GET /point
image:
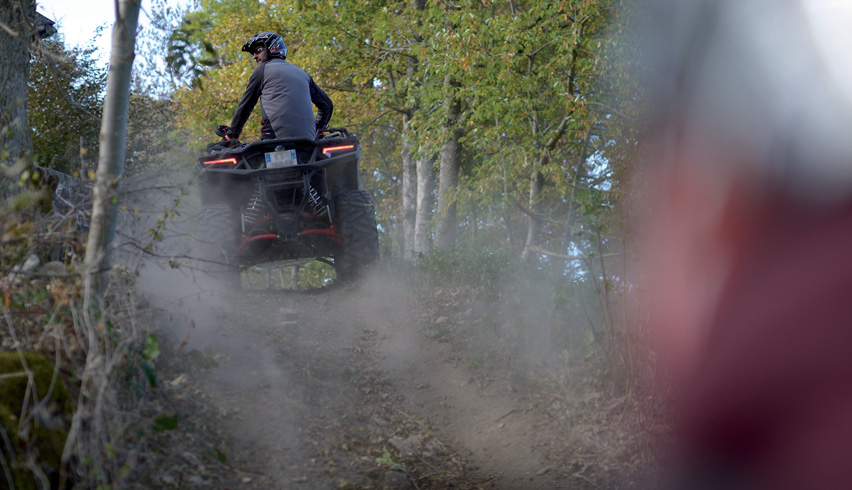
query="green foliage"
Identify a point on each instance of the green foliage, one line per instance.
(530, 76)
(166, 422)
(543, 97)
(389, 462)
(486, 269)
(213, 454)
(282, 275)
(152, 348)
(315, 275)
(539, 311)
(182, 60)
(153, 140)
(64, 99)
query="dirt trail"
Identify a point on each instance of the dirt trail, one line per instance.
(489, 422)
(336, 388)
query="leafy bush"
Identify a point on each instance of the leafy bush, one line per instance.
(485, 269)
(537, 313)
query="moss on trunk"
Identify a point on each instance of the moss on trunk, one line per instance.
(35, 414)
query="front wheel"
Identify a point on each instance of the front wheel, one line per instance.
(356, 221)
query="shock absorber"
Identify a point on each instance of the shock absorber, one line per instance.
(320, 209)
(252, 211)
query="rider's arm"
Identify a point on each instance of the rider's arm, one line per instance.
(323, 103)
(248, 101)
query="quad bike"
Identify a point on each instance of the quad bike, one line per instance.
(286, 200)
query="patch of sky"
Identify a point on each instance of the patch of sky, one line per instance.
(600, 170)
(572, 268)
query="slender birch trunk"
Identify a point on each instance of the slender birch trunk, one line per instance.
(409, 191)
(537, 178)
(112, 148)
(535, 221)
(425, 205)
(445, 228)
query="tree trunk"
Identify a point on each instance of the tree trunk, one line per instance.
(445, 228)
(410, 185)
(535, 221)
(409, 192)
(112, 148)
(425, 204)
(537, 179)
(16, 34)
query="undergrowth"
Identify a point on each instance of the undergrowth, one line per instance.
(540, 314)
(104, 356)
(538, 325)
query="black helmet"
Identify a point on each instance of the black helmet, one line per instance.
(273, 43)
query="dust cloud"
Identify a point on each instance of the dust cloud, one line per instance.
(316, 386)
(301, 385)
(157, 240)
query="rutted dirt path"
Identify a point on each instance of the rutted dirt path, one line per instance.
(339, 389)
(349, 388)
(345, 388)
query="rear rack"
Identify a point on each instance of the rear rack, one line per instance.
(330, 142)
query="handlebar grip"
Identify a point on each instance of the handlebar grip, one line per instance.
(222, 131)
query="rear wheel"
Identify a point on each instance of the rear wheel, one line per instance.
(219, 237)
(356, 221)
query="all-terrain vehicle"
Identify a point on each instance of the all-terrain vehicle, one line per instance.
(286, 200)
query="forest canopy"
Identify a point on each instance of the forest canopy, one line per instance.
(515, 112)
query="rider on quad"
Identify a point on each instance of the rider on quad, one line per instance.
(285, 91)
(294, 195)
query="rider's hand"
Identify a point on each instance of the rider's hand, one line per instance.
(226, 133)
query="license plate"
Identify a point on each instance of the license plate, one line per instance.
(278, 159)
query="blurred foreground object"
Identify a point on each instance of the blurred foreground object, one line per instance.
(44, 26)
(750, 237)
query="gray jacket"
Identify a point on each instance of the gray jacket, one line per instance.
(286, 93)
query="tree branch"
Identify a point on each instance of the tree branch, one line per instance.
(364, 126)
(615, 111)
(540, 250)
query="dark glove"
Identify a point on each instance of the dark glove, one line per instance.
(228, 138)
(226, 132)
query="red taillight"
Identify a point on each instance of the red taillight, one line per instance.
(330, 149)
(231, 162)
